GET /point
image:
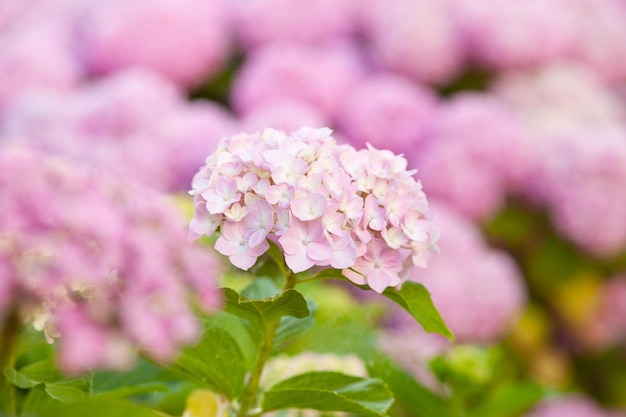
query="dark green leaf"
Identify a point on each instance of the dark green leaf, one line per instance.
(415, 299)
(415, 397)
(330, 391)
(216, 361)
(509, 400)
(291, 326)
(267, 310)
(142, 373)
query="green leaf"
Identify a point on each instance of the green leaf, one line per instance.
(330, 391)
(18, 379)
(329, 273)
(33, 374)
(97, 408)
(69, 390)
(37, 401)
(290, 326)
(144, 378)
(267, 310)
(143, 372)
(216, 361)
(409, 392)
(247, 336)
(509, 400)
(415, 299)
(261, 287)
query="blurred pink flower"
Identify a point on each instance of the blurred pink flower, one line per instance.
(320, 77)
(185, 41)
(419, 39)
(133, 123)
(507, 35)
(479, 291)
(472, 154)
(284, 114)
(325, 204)
(571, 406)
(601, 37)
(560, 98)
(259, 22)
(387, 111)
(608, 323)
(35, 56)
(582, 181)
(102, 266)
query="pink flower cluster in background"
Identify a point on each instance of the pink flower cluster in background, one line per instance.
(100, 264)
(112, 124)
(571, 405)
(325, 204)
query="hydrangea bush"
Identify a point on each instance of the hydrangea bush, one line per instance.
(511, 114)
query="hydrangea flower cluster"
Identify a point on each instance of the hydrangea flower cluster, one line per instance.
(477, 134)
(387, 111)
(183, 40)
(325, 204)
(100, 265)
(570, 405)
(110, 124)
(594, 165)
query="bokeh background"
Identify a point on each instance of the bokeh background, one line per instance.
(512, 112)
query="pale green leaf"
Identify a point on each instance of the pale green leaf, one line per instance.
(415, 299)
(330, 391)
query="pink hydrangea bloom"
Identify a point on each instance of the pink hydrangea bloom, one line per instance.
(607, 326)
(36, 56)
(419, 39)
(593, 163)
(472, 154)
(326, 205)
(111, 124)
(387, 111)
(601, 37)
(560, 98)
(102, 266)
(321, 77)
(505, 35)
(187, 135)
(183, 40)
(478, 290)
(571, 406)
(284, 114)
(259, 22)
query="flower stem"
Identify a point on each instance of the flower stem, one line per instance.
(249, 396)
(10, 329)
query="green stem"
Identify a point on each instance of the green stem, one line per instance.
(8, 336)
(249, 396)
